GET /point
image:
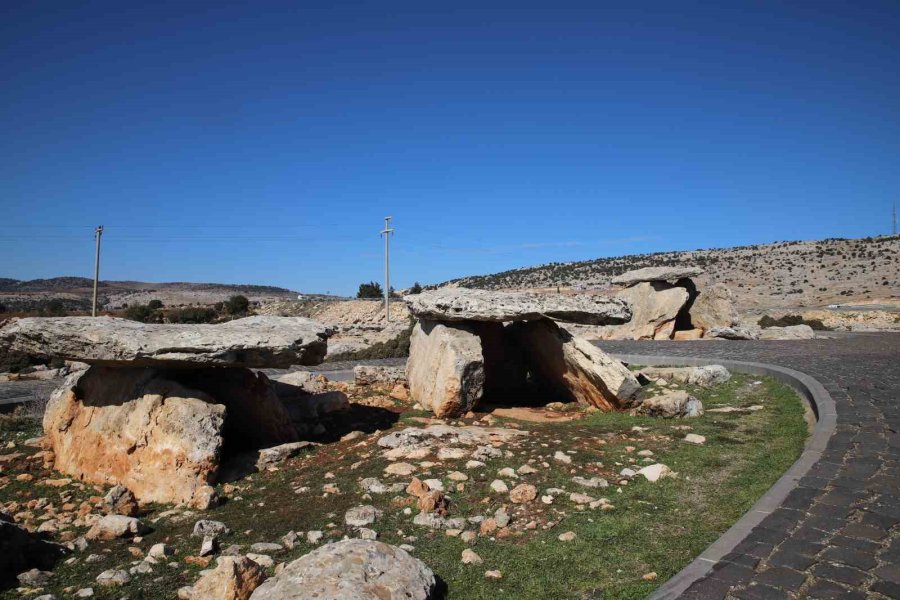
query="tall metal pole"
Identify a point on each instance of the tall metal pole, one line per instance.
(98, 232)
(386, 232)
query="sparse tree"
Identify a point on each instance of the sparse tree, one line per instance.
(155, 304)
(416, 288)
(370, 290)
(237, 305)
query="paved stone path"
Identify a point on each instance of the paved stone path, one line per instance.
(837, 535)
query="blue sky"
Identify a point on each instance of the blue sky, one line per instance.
(263, 142)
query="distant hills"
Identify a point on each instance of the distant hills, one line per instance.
(79, 284)
(777, 275)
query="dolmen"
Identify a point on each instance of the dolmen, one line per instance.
(469, 345)
(161, 404)
(667, 304)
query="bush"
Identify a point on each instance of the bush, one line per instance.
(370, 290)
(155, 304)
(416, 288)
(54, 308)
(237, 305)
(816, 324)
(192, 315)
(139, 312)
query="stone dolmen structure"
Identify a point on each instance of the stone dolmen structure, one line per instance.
(161, 404)
(666, 304)
(473, 344)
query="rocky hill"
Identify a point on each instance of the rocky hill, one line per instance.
(782, 275)
(75, 293)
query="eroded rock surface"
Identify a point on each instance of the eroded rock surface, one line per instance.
(150, 431)
(714, 307)
(352, 570)
(648, 274)
(462, 304)
(655, 307)
(445, 369)
(254, 342)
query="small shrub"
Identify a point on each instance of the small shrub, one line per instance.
(192, 315)
(416, 288)
(155, 304)
(139, 312)
(370, 290)
(816, 324)
(395, 348)
(237, 305)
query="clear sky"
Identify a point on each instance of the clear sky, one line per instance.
(263, 142)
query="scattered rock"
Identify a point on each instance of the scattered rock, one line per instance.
(693, 438)
(120, 501)
(113, 577)
(656, 472)
(593, 482)
(524, 492)
(669, 404)
(499, 486)
(359, 569)
(206, 527)
(34, 578)
(233, 578)
(112, 527)
(567, 536)
(360, 516)
(469, 557)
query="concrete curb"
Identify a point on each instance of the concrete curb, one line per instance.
(823, 407)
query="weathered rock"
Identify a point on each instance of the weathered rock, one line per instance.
(693, 438)
(113, 577)
(656, 472)
(574, 368)
(702, 376)
(522, 493)
(713, 307)
(736, 332)
(352, 570)
(462, 304)
(208, 527)
(120, 501)
(360, 516)
(670, 404)
(273, 342)
(233, 578)
(159, 432)
(687, 334)
(469, 435)
(650, 274)
(791, 332)
(655, 307)
(303, 381)
(112, 527)
(371, 374)
(269, 457)
(34, 578)
(445, 369)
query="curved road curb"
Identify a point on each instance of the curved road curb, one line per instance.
(822, 405)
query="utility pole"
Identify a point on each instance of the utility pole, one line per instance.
(98, 232)
(894, 227)
(386, 232)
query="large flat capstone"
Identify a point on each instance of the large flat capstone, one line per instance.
(462, 304)
(252, 342)
(671, 274)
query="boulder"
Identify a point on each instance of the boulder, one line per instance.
(301, 381)
(655, 307)
(714, 307)
(791, 332)
(650, 274)
(702, 376)
(574, 368)
(675, 403)
(112, 527)
(445, 369)
(269, 457)
(158, 432)
(233, 578)
(352, 570)
(735, 332)
(687, 334)
(120, 501)
(253, 342)
(372, 374)
(462, 304)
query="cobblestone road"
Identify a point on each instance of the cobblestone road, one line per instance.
(837, 535)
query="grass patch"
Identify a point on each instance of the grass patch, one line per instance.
(654, 527)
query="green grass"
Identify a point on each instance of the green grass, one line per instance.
(656, 527)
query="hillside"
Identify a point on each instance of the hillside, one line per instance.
(772, 276)
(75, 293)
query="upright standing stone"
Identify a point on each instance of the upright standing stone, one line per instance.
(445, 369)
(575, 368)
(714, 307)
(655, 308)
